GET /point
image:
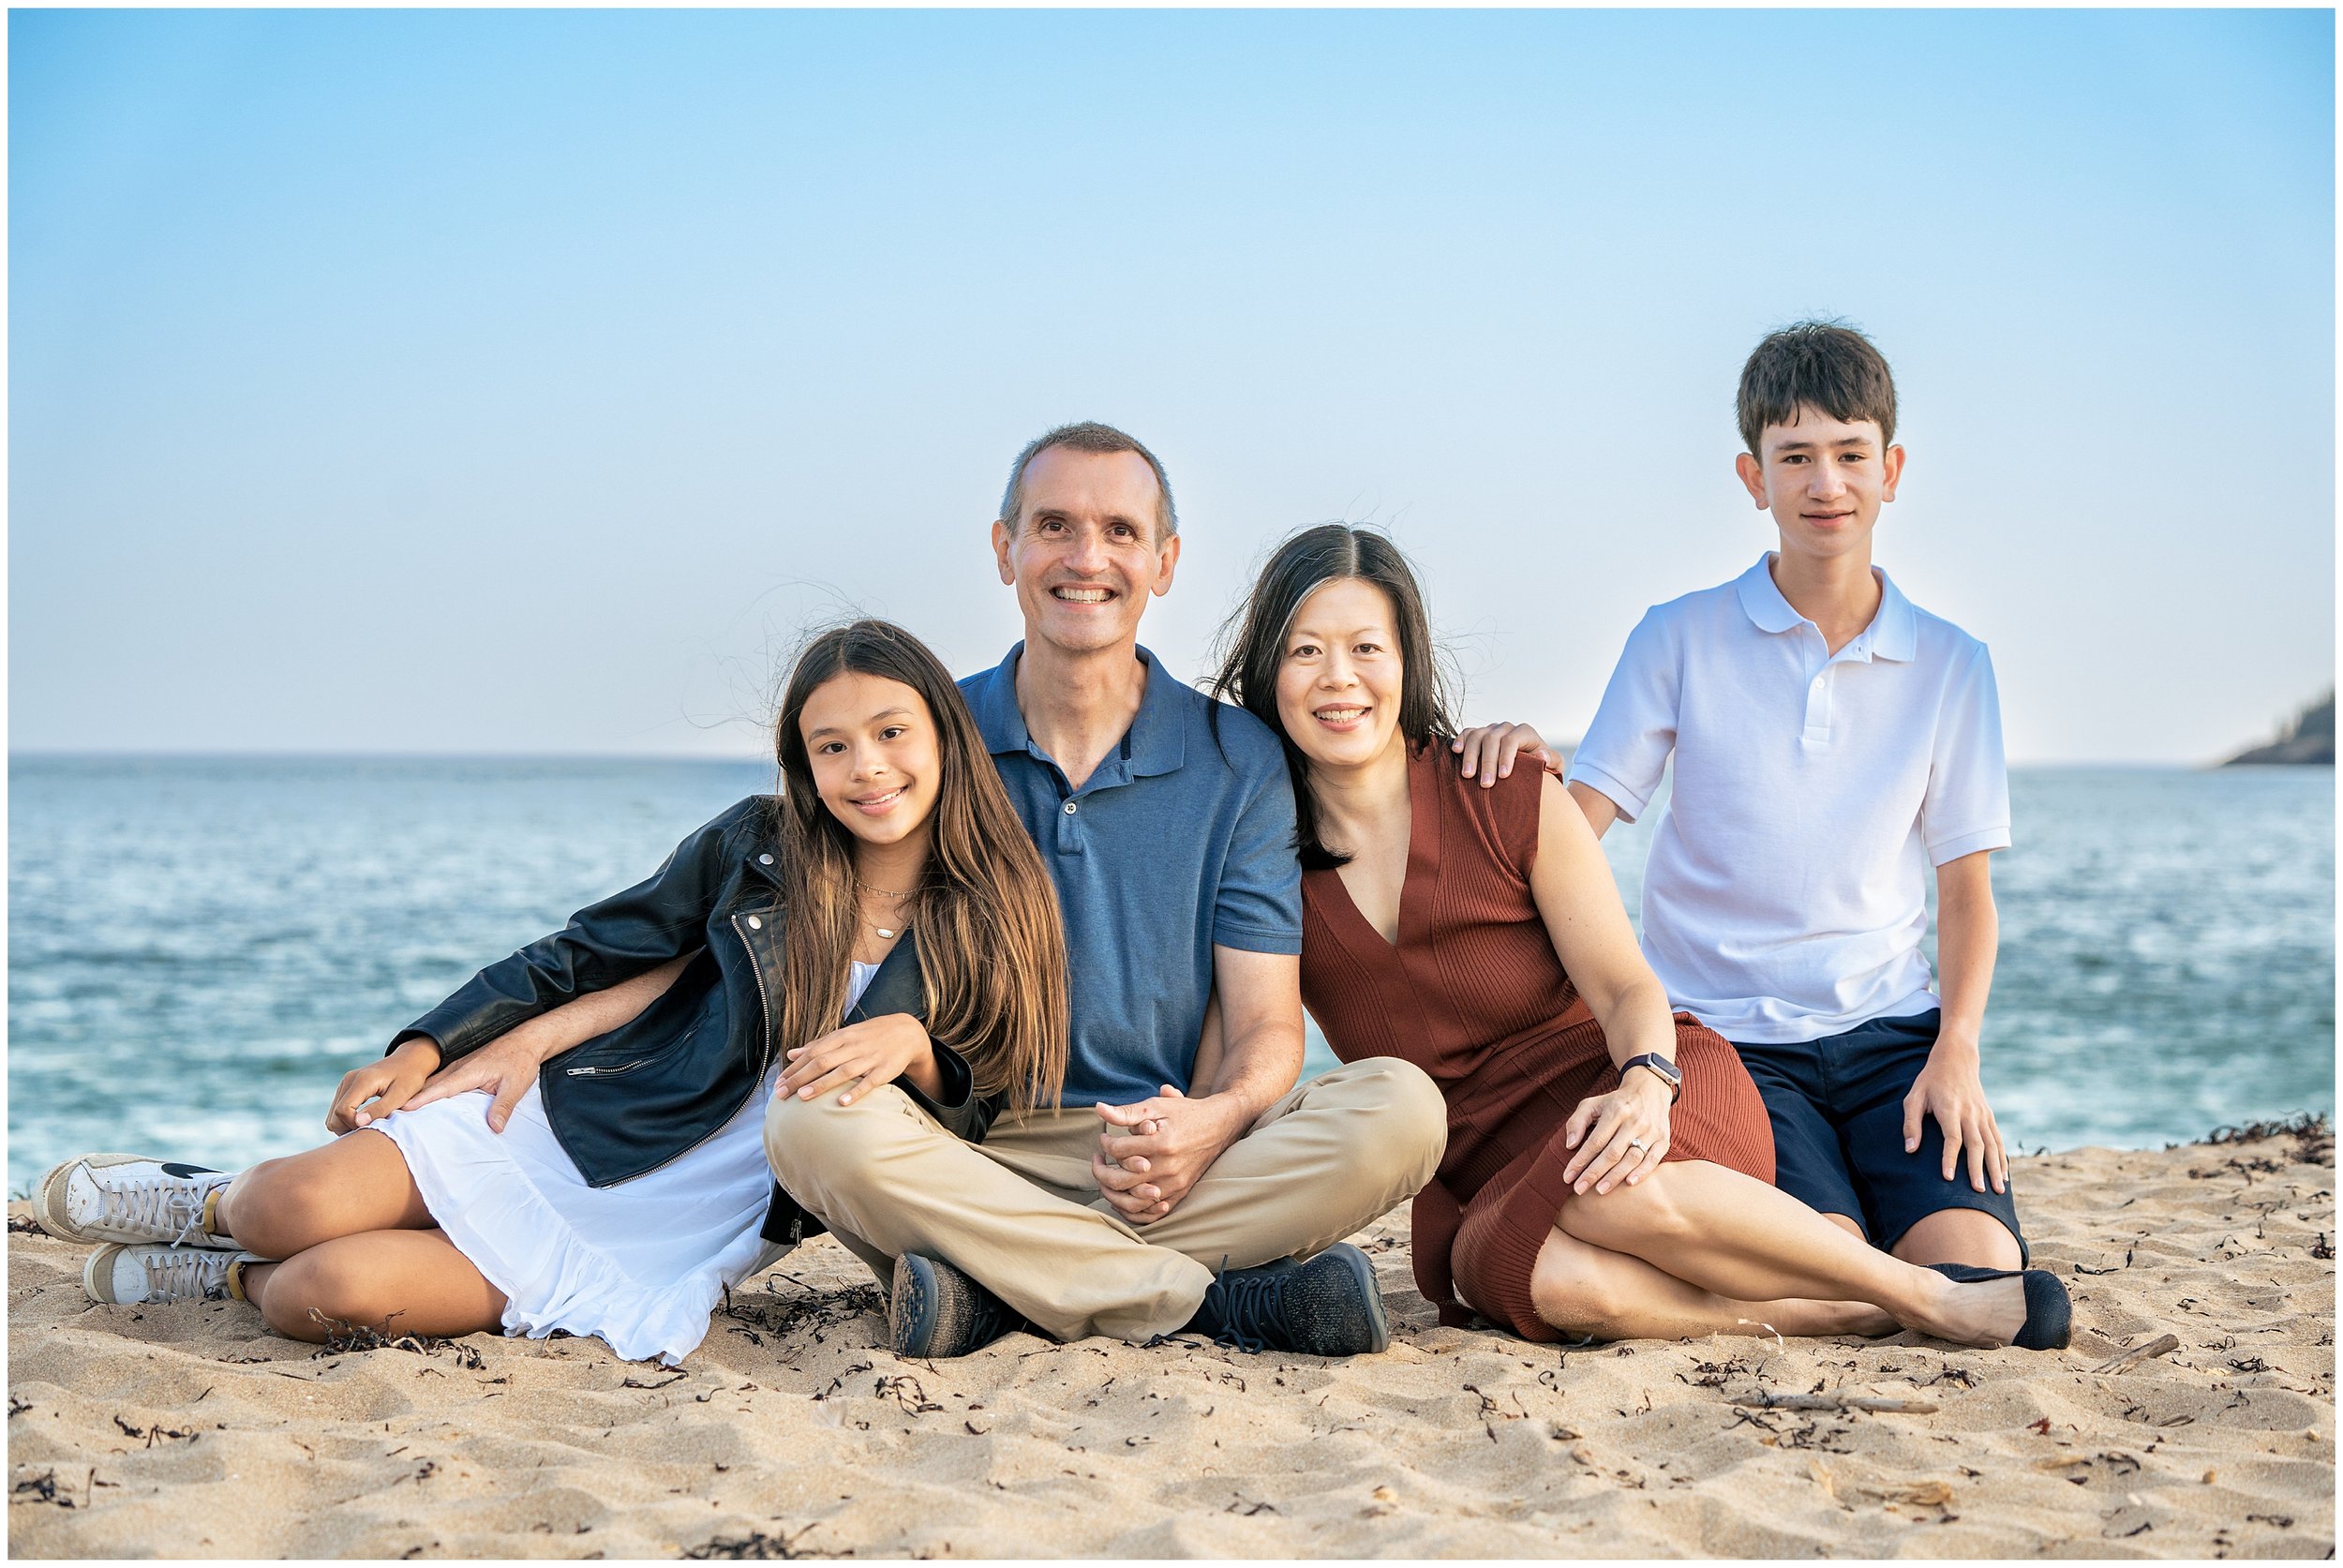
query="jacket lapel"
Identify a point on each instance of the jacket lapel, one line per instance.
(896, 987)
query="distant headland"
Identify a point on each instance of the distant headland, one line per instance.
(2309, 739)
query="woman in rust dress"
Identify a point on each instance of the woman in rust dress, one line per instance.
(1478, 935)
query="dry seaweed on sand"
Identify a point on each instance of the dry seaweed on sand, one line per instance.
(755, 1317)
(343, 1337)
(2314, 1137)
(755, 1546)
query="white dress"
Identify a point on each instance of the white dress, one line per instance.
(642, 1263)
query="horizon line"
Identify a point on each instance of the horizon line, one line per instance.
(49, 753)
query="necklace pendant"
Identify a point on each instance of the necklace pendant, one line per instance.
(885, 934)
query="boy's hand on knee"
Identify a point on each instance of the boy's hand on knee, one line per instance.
(1949, 1089)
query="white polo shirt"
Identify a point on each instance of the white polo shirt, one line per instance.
(1786, 897)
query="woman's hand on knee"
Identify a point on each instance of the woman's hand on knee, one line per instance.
(372, 1092)
(1620, 1136)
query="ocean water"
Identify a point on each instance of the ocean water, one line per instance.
(200, 948)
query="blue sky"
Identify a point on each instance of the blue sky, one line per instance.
(522, 382)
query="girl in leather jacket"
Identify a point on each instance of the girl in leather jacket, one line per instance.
(573, 1141)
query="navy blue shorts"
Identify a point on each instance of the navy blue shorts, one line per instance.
(1837, 1107)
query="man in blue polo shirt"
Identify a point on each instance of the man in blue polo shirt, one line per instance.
(1184, 1170)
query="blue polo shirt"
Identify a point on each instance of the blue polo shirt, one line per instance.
(1179, 841)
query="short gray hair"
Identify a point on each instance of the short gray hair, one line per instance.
(1089, 435)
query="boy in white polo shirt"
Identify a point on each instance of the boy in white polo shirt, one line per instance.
(1832, 742)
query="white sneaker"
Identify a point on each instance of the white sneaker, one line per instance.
(127, 1198)
(154, 1276)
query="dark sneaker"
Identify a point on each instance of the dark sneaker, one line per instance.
(1329, 1306)
(2049, 1312)
(934, 1310)
(129, 1199)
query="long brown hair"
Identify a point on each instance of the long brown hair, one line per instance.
(1253, 645)
(992, 947)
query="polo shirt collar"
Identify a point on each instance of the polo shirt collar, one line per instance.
(1763, 600)
(1893, 634)
(1156, 743)
(992, 703)
(1895, 631)
(1158, 740)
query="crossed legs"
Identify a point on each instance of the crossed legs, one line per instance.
(351, 1242)
(1021, 1213)
(1697, 1247)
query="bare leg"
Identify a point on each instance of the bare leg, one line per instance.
(356, 1183)
(1740, 1238)
(1611, 1295)
(1960, 1236)
(403, 1281)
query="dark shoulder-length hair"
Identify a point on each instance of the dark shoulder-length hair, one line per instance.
(992, 947)
(1253, 645)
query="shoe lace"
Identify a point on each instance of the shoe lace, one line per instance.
(190, 1274)
(155, 1204)
(1245, 1299)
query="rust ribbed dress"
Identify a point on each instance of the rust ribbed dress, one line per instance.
(1474, 995)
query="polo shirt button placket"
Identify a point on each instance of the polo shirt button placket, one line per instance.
(1069, 835)
(1818, 709)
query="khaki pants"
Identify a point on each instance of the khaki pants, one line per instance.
(1021, 1214)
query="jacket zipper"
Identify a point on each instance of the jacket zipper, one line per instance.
(764, 1013)
(605, 1072)
(764, 1019)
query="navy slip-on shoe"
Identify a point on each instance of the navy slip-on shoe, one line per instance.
(2050, 1315)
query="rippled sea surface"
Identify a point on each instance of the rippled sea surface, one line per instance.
(200, 948)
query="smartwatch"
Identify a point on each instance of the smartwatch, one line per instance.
(1661, 1067)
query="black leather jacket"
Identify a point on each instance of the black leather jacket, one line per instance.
(631, 1100)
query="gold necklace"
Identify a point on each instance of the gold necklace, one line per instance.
(886, 933)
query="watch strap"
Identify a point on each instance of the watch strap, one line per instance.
(1660, 1067)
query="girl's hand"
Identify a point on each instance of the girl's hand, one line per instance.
(860, 1058)
(1606, 1128)
(505, 1067)
(382, 1086)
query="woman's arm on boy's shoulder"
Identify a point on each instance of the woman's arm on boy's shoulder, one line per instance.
(1951, 1088)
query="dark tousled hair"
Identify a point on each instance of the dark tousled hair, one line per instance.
(1253, 645)
(992, 947)
(1820, 365)
(1089, 435)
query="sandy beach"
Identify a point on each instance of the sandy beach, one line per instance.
(187, 1431)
